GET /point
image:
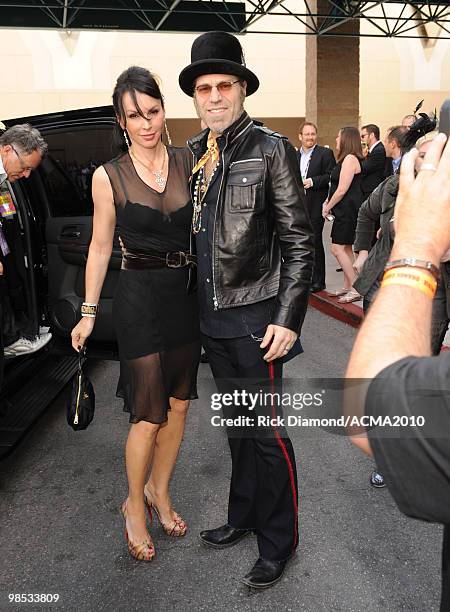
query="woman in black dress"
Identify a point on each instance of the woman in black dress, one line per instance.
(145, 192)
(344, 199)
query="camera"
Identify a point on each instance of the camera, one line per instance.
(444, 118)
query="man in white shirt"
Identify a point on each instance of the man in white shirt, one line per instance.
(316, 163)
(308, 140)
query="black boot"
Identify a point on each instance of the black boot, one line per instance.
(265, 573)
(224, 536)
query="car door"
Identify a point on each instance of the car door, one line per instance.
(75, 150)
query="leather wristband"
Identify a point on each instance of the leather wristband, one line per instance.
(88, 310)
(412, 262)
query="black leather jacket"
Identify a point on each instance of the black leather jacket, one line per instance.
(263, 240)
(377, 209)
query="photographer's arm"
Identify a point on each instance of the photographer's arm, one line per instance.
(398, 323)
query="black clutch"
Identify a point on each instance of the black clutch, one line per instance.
(81, 405)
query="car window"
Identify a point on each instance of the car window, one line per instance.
(67, 170)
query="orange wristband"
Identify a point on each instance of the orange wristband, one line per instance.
(417, 279)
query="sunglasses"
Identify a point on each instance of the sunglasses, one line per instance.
(223, 87)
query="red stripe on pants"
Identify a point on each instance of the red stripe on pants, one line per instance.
(282, 445)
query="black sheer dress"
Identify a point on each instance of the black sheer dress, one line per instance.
(155, 318)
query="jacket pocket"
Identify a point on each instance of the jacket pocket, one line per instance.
(244, 185)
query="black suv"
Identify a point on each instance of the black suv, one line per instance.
(54, 229)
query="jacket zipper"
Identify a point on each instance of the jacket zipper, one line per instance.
(215, 300)
(243, 161)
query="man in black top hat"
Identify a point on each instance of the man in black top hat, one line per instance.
(255, 252)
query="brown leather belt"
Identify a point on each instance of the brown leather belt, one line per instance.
(172, 259)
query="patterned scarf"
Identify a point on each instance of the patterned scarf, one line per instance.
(212, 153)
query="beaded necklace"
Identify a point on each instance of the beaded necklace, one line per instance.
(201, 187)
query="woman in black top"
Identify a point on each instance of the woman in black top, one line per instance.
(344, 199)
(145, 191)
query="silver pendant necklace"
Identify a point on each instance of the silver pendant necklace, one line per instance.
(160, 179)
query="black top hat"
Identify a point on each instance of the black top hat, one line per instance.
(216, 53)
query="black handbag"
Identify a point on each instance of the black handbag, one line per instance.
(81, 405)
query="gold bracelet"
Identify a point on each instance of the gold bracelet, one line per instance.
(417, 279)
(88, 310)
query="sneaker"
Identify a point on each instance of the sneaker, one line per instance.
(377, 480)
(43, 330)
(23, 346)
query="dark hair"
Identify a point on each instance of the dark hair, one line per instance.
(398, 134)
(131, 80)
(371, 128)
(305, 124)
(350, 143)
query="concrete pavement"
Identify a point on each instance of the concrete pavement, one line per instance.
(61, 531)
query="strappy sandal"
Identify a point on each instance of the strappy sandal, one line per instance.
(177, 529)
(350, 296)
(338, 292)
(145, 551)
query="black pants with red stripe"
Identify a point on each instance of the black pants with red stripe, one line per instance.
(263, 488)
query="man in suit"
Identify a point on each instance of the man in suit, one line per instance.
(393, 144)
(21, 151)
(373, 166)
(316, 163)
